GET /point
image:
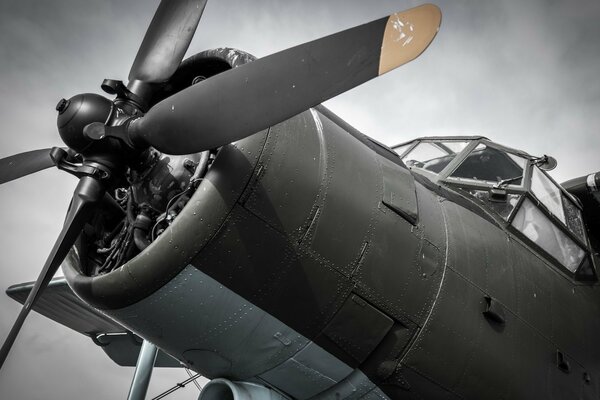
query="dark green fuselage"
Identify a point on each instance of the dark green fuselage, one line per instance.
(331, 234)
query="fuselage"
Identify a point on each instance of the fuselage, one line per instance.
(311, 260)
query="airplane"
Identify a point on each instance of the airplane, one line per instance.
(334, 287)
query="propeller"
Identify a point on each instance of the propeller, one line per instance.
(87, 193)
(166, 40)
(160, 53)
(22, 164)
(219, 110)
(254, 96)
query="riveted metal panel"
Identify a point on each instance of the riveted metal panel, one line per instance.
(290, 180)
(399, 192)
(354, 387)
(453, 326)
(214, 330)
(402, 266)
(418, 387)
(482, 252)
(533, 282)
(567, 327)
(350, 204)
(258, 262)
(60, 304)
(357, 328)
(312, 364)
(217, 194)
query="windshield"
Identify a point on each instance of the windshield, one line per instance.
(495, 177)
(434, 156)
(536, 226)
(508, 183)
(550, 195)
(491, 165)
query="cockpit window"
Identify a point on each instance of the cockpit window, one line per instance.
(509, 184)
(546, 192)
(536, 226)
(503, 207)
(433, 156)
(491, 165)
(556, 202)
(574, 218)
(402, 149)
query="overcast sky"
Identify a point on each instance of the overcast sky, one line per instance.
(524, 74)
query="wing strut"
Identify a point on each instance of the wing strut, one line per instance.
(143, 371)
(180, 385)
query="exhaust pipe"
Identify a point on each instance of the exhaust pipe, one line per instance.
(223, 389)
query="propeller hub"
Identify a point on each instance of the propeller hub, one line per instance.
(76, 113)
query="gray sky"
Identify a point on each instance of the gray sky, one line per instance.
(524, 74)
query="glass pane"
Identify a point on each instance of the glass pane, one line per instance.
(586, 271)
(422, 153)
(573, 217)
(455, 146)
(547, 193)
(433, 156)
(502, 208)
(491, 165)
(534, 224)
(401, 149)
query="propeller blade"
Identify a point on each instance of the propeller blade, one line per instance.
(87, 193)
(22, 164)
(167, 39)
(254, 96)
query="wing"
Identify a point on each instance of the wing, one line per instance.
(60, 304)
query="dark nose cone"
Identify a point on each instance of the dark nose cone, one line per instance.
(77, 112)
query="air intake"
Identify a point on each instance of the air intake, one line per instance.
(223, 389)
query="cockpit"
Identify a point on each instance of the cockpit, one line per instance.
(511, 185)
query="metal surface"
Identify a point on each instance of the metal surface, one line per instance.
(243, 340)
(171, 252)
(178, 386)
(124, 349)
(59, 303)
(143, 372)
(430, 279)
(88, 192)
(322, 369)
(166, 40)
(274, 88)
(22, 164)
(219, 389)
(310, 262)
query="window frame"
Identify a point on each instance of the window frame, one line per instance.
(526, 193)
(471, 182)
(435, 177)
(559, 224)
(584, 244)
(462, 186)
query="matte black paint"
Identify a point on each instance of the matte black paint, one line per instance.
(303, 223)
(167, 39)
(23, 164)
(288, 82)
